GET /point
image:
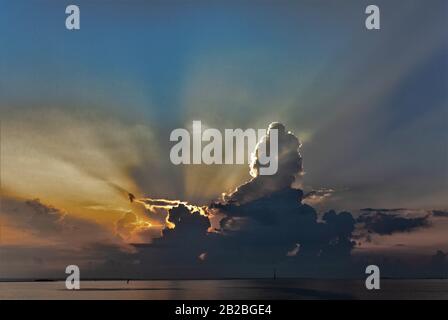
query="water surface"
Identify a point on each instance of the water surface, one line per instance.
(228, 289)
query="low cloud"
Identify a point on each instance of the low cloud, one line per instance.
(440, 213)
(185, 225)
(315, 197)
(52, 223)
(54, 239)
(439, 264)
(387, 221)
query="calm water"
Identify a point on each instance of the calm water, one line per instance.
(228, 289)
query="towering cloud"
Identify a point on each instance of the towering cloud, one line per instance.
(289, 167)
(266, 218)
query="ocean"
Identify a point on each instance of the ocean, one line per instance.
(264, 289)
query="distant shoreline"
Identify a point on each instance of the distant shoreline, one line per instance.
(209, 279)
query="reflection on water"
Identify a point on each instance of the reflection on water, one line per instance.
(228, 289)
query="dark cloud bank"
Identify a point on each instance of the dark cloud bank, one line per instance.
(385, 223)
(265, 227)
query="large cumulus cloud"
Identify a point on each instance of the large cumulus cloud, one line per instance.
(289, 167)
(271, 226)
(264, 222)
(267, 212)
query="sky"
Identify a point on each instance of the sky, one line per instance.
(86, 117)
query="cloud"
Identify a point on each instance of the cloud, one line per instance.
(182, 248)
(289, 167)
(280, 229)
(294, 251)
(263, 223)
(127, 224)
(440, 213)
(383, 209)
(439, 264)
(49, 222)
(266, 219)
(131, 228)
(383, 222)
(315, 197)
(185, 226)
(47, 239)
